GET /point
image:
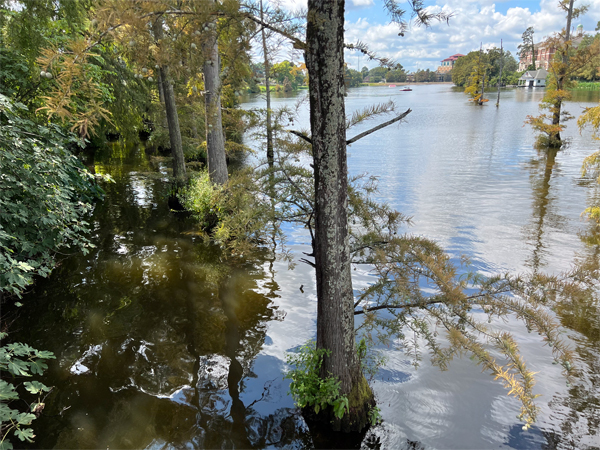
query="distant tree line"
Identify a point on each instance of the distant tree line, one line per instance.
(464, 67)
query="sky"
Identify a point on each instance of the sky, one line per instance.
(473, 22)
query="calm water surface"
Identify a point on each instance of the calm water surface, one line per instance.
(163, 342)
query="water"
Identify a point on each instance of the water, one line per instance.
(163, 342)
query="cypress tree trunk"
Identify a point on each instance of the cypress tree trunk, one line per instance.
(335, 319)
(171, 112)
(215, 141)
(555, 139)
(501, 67)
(173, 124)
(268, 86)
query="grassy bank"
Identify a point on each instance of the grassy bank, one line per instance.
(586, 86)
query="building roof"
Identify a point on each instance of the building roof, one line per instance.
(531, 75)
(453, 57)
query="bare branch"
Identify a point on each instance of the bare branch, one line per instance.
(379, 127)
(300, 135)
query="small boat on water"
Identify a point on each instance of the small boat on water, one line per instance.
(392, 85)
(406, 88)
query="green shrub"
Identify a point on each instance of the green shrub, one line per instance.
(235, 216)
(201, 198)
(46, 195)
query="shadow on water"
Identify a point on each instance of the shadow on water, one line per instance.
(156, 334)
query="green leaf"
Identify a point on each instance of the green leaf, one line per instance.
(25, 434)
(25, 418)
(35, 387)
(6, 445)
(7, 391)
(38, 366)
(7, 413)
(18, 367)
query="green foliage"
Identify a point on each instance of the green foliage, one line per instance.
(308, 388)
(586, 86)
(286, 70)
(46, 195)
(232, 215)
(352, 78)
(425, 76)
(464, 67)
(395, 76)
(476, 83)
(16, 361)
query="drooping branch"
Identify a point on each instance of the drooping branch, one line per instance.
(300, 135)
(379, 127)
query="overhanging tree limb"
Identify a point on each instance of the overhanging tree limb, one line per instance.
(379, 127)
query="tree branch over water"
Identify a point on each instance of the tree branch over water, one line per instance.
(379, 127)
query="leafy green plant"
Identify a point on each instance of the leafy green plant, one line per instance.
(46, 195)
(308, 388)
(201, 198)
(20, 360)
(375, 415)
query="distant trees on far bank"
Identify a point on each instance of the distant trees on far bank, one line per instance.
(464, 67)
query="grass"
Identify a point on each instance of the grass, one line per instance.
(586, 86)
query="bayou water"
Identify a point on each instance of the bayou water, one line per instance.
(165, 342)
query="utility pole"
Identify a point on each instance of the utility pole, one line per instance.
(501, 66)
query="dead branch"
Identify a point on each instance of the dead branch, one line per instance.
(379, 127)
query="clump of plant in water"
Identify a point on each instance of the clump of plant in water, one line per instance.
(235, 215)
(308, 388)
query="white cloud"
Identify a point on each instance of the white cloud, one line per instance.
(474, 22)
(362, 3)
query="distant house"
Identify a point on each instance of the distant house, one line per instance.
(544, 52)
(448, 63)
(534, 78)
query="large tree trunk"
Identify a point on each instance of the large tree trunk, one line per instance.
(268, 86)
(335, 319)
(215, 140)
(555, 139)
(168, 94)
(173, 124)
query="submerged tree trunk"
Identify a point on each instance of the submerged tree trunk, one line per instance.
(335, 319)
(268, 86)
(171, 112)
(501, 67)
(215, 140)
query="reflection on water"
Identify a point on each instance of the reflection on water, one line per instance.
(163, 342)
(155, 334)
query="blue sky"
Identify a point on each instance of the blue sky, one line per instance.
(474, 22)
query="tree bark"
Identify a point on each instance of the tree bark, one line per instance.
(215, 140)
(335, 317)
(171, 112)
(268, 86)
(555, 139)
(173, 123)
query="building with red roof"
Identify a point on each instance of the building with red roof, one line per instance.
(448, 63)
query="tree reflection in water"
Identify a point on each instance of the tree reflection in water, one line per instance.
(156, 333)
(576, 415)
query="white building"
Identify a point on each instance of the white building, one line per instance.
(534, 78)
